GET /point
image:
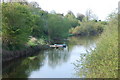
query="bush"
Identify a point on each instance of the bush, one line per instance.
(88, 28)
(103, 61)
(34, 41)
(16, 25)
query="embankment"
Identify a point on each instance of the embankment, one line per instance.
(10, 55)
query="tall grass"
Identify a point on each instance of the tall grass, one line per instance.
(103, 61)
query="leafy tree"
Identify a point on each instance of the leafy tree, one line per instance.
(58, 26)
(71, 13)
(16, 26)
(38, 25)
(80, 16)
(72, 19)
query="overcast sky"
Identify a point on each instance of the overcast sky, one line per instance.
(100, 7)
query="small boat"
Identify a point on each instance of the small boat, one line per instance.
(58, 45)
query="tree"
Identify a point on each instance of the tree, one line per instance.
(16, 26)
(39, 18)
(70, 13)
(72, 19)
(90, 15)
(80, 16)
(58, 26)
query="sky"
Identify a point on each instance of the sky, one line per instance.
(102, 8)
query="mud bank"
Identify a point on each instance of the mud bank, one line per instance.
(10, 55)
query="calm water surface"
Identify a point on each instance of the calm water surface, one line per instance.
(53, 63)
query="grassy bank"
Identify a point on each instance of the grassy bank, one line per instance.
(103, 61)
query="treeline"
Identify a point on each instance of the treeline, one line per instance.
(26, 24)
(103, 61)
(23, 23)
(88, 28)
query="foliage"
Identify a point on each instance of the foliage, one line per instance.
(23, 20)
(103, 61)
(17, 21)
(34, 41)
(38, 27)
(87, 28)
(20, 21)
(58, 26)
(72, 19)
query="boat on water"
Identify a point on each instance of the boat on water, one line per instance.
(58, 45)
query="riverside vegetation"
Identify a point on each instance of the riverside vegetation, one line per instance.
(25, 25)
(103, 61)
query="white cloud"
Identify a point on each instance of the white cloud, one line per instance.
(100, 7)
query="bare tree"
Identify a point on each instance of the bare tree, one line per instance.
(90, 15)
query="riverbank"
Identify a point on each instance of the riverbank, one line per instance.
(10, 55)
(103, 61)
(50, 62)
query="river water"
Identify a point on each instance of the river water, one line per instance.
(52, 63)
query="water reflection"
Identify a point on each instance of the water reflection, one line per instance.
(86, 43)
(22, 68)
(57, 57)
(53, 63)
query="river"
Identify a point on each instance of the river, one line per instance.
(52, 63)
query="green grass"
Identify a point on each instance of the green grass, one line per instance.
(103, 61)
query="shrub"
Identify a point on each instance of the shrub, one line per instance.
(88, 28)
(16, 25)
(103, 61)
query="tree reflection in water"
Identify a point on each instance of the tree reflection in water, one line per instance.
(23, 67)
(57, 57)
(86, 42)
